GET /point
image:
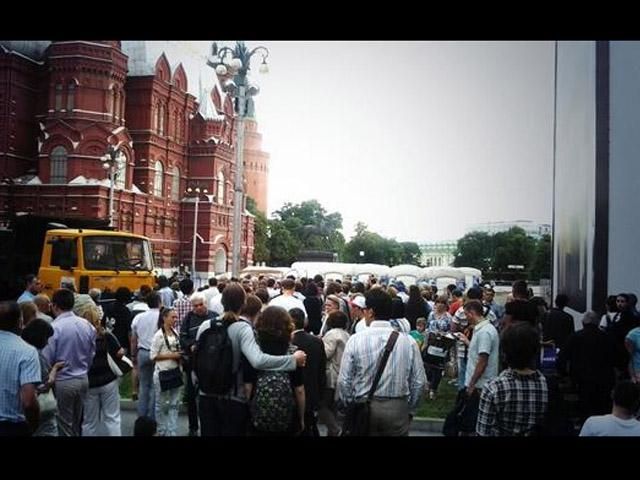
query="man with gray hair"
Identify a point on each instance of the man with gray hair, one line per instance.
(188, 330)
(590, 356)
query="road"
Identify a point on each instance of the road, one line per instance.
(129, 417)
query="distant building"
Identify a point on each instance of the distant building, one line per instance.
(533, 229)
(438, 254)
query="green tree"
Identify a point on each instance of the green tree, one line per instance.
(475, 250)
(542, 259)
(369, 243)
(378, 249)
(260, 233)
(282, 244)
(513, 247)
(411, 253)
(310, 223)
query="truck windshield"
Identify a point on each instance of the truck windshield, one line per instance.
(116, 253)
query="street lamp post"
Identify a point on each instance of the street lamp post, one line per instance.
(111, 162)
(236, 62)
(195, 193)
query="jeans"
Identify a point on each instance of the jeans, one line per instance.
(102, 411)
(167, 408)
(146, 391)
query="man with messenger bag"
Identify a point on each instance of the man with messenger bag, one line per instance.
(382, 376)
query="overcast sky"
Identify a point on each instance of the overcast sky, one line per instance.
(415, 139)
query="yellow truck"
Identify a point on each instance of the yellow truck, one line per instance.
(95, 259)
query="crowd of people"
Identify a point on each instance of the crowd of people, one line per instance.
(258, 356)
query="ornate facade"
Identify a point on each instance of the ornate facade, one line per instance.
(63, 103)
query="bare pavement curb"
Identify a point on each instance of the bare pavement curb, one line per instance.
(422, 424)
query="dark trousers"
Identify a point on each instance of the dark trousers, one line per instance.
(192, 397)
(14, 429)
(222, 417)
(310, 424)
(434, 375)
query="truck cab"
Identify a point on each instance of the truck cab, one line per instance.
(95, 259)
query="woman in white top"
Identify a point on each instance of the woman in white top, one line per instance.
(165, 353)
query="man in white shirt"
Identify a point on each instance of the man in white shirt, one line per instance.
(143, 328)
(288, 300)
(621, 422)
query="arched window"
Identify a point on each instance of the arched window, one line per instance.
(175, 186)
(58, 158)
(58, 104)
(221, 187)
(71, 94)
(121, 170)
(157, 180)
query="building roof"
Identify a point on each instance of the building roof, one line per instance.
(143, 56)
(32, 49)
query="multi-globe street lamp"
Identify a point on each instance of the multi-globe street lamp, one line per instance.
(233, 65)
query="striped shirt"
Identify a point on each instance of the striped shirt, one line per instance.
(403, 375)
(19, 365)
(512, 404)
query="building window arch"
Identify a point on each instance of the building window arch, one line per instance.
(158, 179)
(58, 98)
(71, 96)
(121, 171)
(58, 166)
(175, 187)
(221, 187)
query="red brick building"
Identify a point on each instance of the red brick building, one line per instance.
(63, 103)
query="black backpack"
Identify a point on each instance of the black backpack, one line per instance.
(214, 359)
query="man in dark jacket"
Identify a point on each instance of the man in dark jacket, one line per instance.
(315, 375)
(557, 325)
(188, 330)
(591, 357)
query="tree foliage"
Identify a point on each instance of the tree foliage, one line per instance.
(495, 253)
(260, 233)
(378, 249)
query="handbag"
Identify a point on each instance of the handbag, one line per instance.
(358, 414)
(119, 366)
(48, 403)
(170, 379)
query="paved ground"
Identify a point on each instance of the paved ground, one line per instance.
(129, 417)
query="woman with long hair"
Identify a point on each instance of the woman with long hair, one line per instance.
(102, 405)
(273, 329)
(334, 342)
(416, 306)
(165, 353)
